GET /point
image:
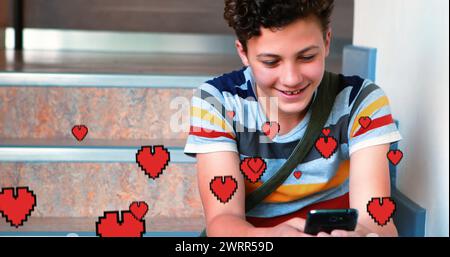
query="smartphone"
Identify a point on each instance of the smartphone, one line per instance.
(329, 220)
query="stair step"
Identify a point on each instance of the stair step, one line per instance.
(92, 234)
(117, 151)
(34, 79)
(110, 114)
(113, 63)
(117, 96)
(53, 226)
(89, 189)
(113, 69)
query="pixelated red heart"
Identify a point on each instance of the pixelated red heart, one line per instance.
(365, 121)
(17, 207)
(297, 174)
(271, 129)
(79, 132)
(153, 160)
(381, 209)
(395, 156)
(231, 114)
(326, 146)
(223, 187)
(253, 168)
(326, 131)
(110, 226)
(138, 209)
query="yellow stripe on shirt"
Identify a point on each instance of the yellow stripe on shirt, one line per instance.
(211, 118)
(368, 111)
(287, 193)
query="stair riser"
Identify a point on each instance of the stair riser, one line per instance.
(109, 113)
(89, 189)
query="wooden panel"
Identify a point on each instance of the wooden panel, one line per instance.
(179, 16)
(3, 14)
(2, 38)
(3, 21)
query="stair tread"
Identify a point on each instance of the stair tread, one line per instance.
(64, 150)
(45, 61)
(112, 69)
(89, 143)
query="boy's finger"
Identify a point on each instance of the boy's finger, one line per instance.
(323, 234)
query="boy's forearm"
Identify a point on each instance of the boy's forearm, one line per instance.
(234, 226)
(388, 231)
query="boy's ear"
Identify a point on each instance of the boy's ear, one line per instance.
(328, 42)
(242, 54)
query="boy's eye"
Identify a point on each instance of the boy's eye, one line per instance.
(307, 58)
(270, 63)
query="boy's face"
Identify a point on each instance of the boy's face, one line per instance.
(289, 63)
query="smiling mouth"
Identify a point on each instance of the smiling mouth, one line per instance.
(296, 92)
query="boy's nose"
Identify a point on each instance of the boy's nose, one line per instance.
(291, 76)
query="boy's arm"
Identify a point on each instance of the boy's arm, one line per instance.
(221, 217)
(369, 177)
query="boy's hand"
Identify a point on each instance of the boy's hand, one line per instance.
(290, 228)
(361, 231)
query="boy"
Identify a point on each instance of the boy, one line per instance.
(283, 45)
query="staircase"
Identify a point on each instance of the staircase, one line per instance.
(126, 99)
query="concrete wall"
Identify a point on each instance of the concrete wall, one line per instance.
(412, 38)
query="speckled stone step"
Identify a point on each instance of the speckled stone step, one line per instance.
(43, 94)
(113, 113)
(57, 226)
(76, 190)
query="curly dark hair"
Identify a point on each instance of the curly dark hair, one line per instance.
(247, 16)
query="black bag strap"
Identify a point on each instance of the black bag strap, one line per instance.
(321, 109)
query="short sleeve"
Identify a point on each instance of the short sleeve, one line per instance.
(211, 130)
(371, 122)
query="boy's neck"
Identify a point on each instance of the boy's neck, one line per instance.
(287, 121)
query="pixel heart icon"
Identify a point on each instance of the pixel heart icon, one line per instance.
(139, 209)
(223, 188)
(395, 156)
(297, 174)
(253, 168)
(16, 204)
(110, 225)
(79, 132)
(271, 129)
(326, 131)
(326, 146)
(381, 209)
(231, 114)
(153, 160)
(365, 122)
(132, 223)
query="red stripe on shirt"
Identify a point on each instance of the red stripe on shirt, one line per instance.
(341, 202)
(209, 133)
(376, 123)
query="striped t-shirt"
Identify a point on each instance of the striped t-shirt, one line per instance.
(226, 116)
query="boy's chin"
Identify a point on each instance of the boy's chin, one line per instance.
(291, 111)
